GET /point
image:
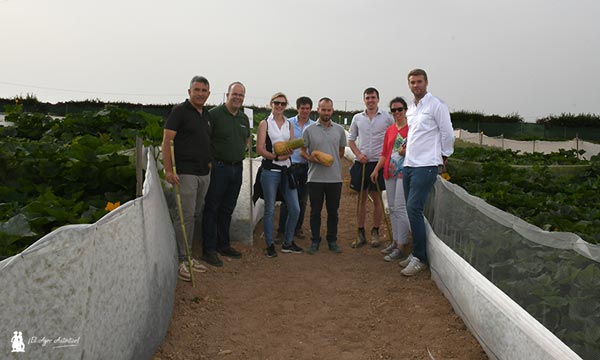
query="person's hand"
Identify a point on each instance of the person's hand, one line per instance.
(363, 159)
(171, 178)
(374, 175)
(402, 150)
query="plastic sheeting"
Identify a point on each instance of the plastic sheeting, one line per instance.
(99, 291)
(551, 274)
(545, 147)
(502, 327)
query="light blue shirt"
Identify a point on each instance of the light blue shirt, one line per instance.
(370, 132)
(298, 129)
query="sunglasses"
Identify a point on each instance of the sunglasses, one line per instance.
(396, 109)
(282, 103)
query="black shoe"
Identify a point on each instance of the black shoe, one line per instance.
(230, 252)
(334, 248)
(300, 234)
(270, 251)
(292, 248)
(212, 259)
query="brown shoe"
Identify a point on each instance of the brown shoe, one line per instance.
(375, 237)
(361, 239)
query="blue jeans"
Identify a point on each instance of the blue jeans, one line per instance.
(300, 172)
(418, 182)
(220, 201)
(330, 193)
(271, 181)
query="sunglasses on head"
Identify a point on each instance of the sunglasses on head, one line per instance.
(282, 103)
(396, 109)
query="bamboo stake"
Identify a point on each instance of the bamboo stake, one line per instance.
(385, 215)
(180, 208)
(356, 243)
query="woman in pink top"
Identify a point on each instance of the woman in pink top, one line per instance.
(392, 159)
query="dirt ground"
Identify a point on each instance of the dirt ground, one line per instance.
(351, 305)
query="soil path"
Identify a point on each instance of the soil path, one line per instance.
(352, 305)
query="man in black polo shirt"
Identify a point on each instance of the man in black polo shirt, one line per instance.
(189, 126)
(230, 135)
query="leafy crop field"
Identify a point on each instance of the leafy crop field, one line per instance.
(556, 192)
(55, 172)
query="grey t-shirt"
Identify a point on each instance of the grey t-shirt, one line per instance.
(328, 140)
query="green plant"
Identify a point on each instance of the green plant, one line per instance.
(64, 171)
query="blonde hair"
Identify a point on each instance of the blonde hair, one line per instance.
(278, 94)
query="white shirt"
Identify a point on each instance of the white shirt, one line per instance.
(430, 133)
(276, 134)
(370, 132)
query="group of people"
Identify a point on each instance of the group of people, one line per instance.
(398, 151)
(404, 147)
(209, 148)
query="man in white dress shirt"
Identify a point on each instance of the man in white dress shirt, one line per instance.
(430, 141)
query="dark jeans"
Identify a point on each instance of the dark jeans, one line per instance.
(330, 193)
(300, 172)
(418, 182)
(220, 201)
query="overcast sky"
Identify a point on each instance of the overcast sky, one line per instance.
(533, 57)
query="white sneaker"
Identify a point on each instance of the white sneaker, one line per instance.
(394, 255)
(405, 262)
(197, 266)
(413, 267)
(184, 272)
(389, 248)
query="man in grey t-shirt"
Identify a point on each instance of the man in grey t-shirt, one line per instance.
(324, 179)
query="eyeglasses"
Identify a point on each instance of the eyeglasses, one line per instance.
(397, 109)
(282, 103)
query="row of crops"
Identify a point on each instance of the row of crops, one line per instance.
(557, 192)
(55, 172)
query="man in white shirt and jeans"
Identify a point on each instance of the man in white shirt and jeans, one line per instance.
(430, 141)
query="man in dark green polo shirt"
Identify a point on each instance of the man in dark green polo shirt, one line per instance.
(230, 135)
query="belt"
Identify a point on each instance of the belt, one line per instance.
(232, 163)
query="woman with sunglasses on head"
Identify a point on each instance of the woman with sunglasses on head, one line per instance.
(392, 159)
(274, 176)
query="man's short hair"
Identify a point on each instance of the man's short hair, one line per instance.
(232, 84)
(200, 79)
(417, 72)
(371, 90)
(326, 99)
(303, 100)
